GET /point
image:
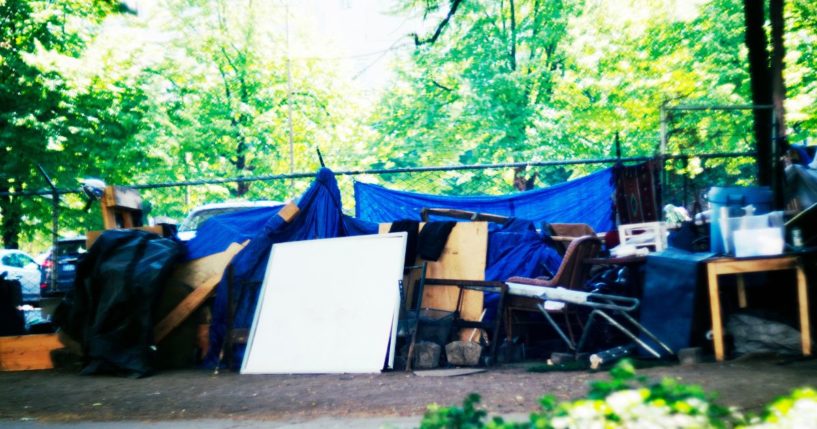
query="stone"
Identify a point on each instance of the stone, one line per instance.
(690, 356)
(464, 353)
(426, 355)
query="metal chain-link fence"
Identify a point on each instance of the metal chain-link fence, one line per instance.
(683, 182)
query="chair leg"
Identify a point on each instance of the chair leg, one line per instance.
(508, 316)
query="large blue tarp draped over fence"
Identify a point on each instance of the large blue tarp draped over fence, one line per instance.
(319, 216)
(587, 200)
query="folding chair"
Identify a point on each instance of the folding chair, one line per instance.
(602, 306)
(571, 274)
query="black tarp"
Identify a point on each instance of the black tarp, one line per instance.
(110, 310)
(674, 301)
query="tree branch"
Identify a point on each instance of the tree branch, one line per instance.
(441, 86)
(454, 5)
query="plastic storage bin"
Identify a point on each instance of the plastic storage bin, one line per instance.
(734, 198)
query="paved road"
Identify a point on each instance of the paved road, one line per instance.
(323, 423)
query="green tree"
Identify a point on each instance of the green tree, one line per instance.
(35, 107)
(475, 89)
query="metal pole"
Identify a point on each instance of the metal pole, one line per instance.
(662, 151)
(55, 225)
(289, 99)
(777, 188)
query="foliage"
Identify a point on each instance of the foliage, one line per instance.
(186, 90)
(41, 117)
(629, 400)
(206, 89)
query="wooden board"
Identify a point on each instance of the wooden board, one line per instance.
(122, 201)
(464, 257)
(289, 211)
(27, 352)
(203, 275)
(196, 272)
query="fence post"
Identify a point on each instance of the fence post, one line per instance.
(55, 225)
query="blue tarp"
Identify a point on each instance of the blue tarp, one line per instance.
(218, 232)
(320, 216)
(517, 249)
(584, 200)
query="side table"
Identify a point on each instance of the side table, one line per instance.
(740, 266)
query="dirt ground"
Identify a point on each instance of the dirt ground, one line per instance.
(196, 394)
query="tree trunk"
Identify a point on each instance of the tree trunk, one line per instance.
(10, 210)
(761, 84)
(777, 67)
(778, 96)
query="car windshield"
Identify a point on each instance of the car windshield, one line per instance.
(193, 222)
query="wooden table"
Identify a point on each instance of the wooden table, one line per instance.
(740, 266)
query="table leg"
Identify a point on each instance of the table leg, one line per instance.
(715, 309)
(742, 292)
(802, 299)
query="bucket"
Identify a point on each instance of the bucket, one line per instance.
(734, 198)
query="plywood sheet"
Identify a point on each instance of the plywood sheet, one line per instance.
(464, 257)
(328, 306)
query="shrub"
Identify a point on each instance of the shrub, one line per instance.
(632, 401)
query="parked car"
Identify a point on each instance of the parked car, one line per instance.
(20, 266)
(64, 260)
(197, 216)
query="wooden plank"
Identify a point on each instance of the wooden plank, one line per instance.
(289, 211)
(27, 352)
(91, 236)
(715, 308)
(802, 301)
(185, 308)
(196, 272)
(121, 197)
(733, 266)
(123, 201)
(203, 275)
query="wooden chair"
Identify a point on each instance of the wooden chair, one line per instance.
(563, 233)
(572, 274)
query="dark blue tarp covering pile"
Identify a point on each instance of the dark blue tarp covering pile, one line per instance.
(320, 216)
(584, 200)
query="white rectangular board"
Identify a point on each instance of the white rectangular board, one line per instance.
(328, 306)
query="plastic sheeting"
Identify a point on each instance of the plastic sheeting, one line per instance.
(320, 216)
(110, 310)
(584, 200)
